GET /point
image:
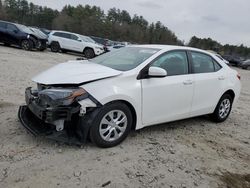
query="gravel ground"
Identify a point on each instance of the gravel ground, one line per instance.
(189, 153)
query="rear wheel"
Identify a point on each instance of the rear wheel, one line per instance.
(55, 47)
(26, 44)
(111, 125)
(89, 53)
(223, 108)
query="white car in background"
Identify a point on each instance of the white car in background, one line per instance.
(131, 88)
(66, 41)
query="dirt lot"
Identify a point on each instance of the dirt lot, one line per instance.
(189, 153)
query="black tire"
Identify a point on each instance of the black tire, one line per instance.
(89, 53)
(64, 51)
(42, 49)
(6, 44)
(55, 47)
(95, 134)
(26, 44)
(218, 115)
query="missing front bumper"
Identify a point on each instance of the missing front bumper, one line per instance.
(38, 127)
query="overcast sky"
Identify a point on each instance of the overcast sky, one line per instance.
(227, 21)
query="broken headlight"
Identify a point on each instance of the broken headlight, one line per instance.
(58, 97)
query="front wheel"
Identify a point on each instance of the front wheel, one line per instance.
(26, 44)
(111, 125)
(89, 53)
(223, 108)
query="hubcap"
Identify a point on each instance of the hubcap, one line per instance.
(113, 125)
(224, 108)
(39, 44)
(25, 45)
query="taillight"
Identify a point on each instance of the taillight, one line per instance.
(238, 76)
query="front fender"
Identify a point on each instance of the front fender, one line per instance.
(119, 88)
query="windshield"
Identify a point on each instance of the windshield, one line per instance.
(23, 28)
(35, 30)
(87, 39)
(126, 58)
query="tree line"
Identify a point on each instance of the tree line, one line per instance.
(116, 25)
(209, 44)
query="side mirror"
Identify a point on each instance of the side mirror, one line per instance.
(157, 72)
(15, 31)
(79, 40)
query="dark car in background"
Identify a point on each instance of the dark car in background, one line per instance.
(246, 64)
(105, 42)
(45, 31)
(233, 60)
(23, 36)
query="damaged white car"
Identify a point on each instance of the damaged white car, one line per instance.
(137, 86)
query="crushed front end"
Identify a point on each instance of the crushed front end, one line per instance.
(59, 113)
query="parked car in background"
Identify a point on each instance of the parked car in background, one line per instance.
(246, 64)
(137, 86)
(45, 31)
(115, 47)
(105, 42)
(23, 36)
(72, 42)
(219, 56)
(233, 60)
(40, 45)
(88, 39)
(224, 60)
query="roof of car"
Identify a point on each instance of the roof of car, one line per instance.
(53, 31)
(9, 22)
(170, 47)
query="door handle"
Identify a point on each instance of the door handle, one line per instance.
(188, 82)
(221, 78)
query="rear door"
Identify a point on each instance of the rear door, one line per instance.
(168, 98)
(3, 26)
(209, 79)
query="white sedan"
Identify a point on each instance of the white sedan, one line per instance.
(131, 88)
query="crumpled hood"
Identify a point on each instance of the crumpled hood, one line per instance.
(75, 72)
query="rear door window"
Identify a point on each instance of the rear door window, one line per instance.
(11, 27)
(3, 25)
(202, 63)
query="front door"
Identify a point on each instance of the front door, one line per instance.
(168, 98)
